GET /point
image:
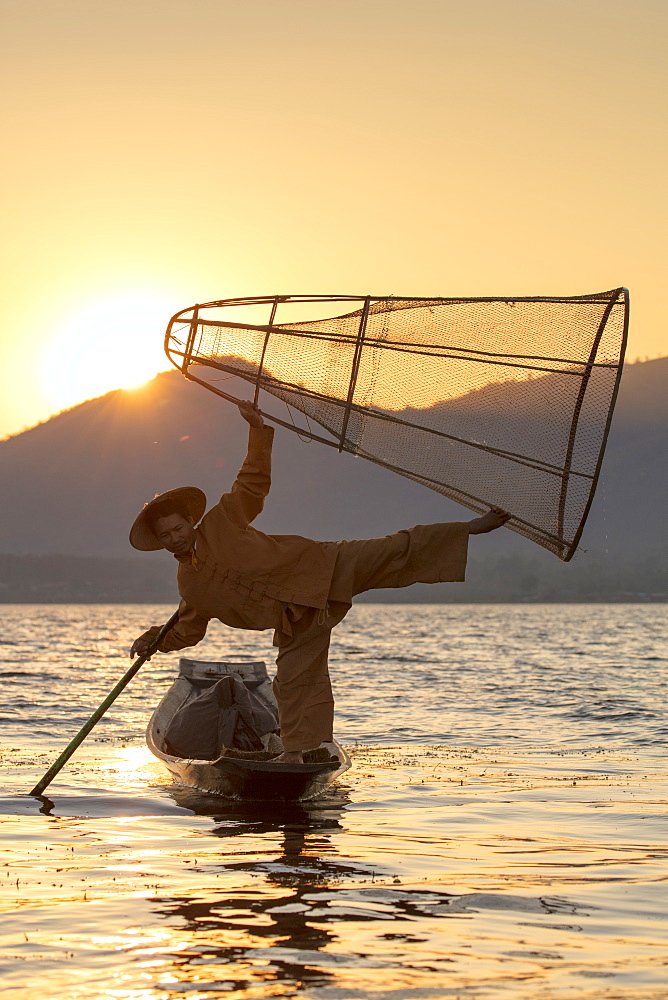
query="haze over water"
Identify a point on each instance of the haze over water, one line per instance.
(500, 834)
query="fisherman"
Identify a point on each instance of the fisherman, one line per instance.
(298, 587)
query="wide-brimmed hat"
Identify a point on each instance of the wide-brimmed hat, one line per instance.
(190, 497)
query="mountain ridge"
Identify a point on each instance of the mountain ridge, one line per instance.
(72, 485)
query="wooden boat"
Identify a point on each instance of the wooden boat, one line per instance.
(230, 776)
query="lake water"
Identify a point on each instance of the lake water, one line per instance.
(501, 833)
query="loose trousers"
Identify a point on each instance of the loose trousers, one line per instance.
(424, 554)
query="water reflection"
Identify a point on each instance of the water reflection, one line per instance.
(253, 817)
(267, 929)
(307, 917)
(407, 885)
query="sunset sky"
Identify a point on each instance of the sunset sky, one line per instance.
(164, 152)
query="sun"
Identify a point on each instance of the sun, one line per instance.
(112, 343)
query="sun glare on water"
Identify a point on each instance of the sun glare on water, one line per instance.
(114, 343)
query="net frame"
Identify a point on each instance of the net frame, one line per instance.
(187, 331)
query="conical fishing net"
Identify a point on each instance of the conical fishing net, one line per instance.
(489, 401)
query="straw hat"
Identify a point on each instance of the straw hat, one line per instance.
(141, 533)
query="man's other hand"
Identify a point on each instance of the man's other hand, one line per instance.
(493, 519)
(140, 647)
(250, 413)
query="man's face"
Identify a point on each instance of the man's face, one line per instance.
(175, 533)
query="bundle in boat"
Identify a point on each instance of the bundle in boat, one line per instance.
(489, 401)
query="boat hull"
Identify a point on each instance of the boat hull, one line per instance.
(232, 777)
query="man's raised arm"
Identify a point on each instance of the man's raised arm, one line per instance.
(246, 498)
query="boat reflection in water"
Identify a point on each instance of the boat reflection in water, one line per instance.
(264, 927)
(291, 911)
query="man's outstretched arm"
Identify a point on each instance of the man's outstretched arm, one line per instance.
(246, 498)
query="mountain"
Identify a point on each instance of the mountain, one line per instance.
(72, 486)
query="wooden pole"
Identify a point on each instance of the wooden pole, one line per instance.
(97, 715)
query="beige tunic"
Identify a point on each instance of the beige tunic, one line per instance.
(240, 575)
(251, 580)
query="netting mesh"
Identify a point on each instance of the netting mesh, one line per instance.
(488, 401)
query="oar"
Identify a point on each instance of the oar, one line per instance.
(97, 715)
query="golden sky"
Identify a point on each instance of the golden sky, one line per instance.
(159, 153)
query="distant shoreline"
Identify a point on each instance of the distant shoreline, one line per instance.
(527, 578)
